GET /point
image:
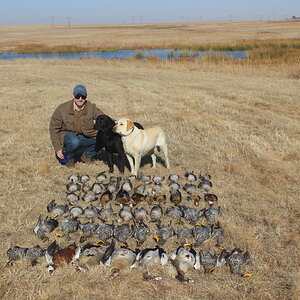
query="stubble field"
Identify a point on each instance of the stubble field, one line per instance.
(237, 122)
(101, 37)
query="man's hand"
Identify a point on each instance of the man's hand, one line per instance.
(60, 154)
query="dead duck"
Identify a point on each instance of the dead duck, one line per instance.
(190, 176)
(205, 177)
(211, 199)
(184, 259)
(59, 257)
(76, 211)
(84, 178)
(127, 186)
(115, 180)
(119, 260)
(161, 198)
(101, 177)
(111, 187)
(189, 188)
(137, 198)
(140, 214)
(156, 188)
(201, 234)
(217, 231)
(140, 232)
(175, 197)
(122, 197)
(44, 226)
(149, 259)
(150, 199)
(86, 187)
(140, 189)
(73, 187)
(34, 253)
(74, 178)
(158, 179)
(89, 197)
(184, 235)
(96, 188)
(174, 213)
(236, 260)
(195, 199)
(72, 198)
(125, 214)
(105, 213)
(210, 261)
(57, 210)
(15, 253)
(191, 214)
(122, 233)
(90, 256)
(68, 226)
(144, 178)
(205, 185)
(88, 229)
(106, 197)
(174, 186)
(132, 178)
(104, 232)
(174, 177)
(163, 233)
(91, 212)
(211, 214)
(156, 213)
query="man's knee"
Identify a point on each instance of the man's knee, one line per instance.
(71, 141)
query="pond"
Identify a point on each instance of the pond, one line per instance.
(163, 54)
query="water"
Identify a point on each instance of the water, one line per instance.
(163, 54)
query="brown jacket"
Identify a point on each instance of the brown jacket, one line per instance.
(64, 121)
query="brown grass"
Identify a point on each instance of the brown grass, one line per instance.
(238, 122)
(96, 37)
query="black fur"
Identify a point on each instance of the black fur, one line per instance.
(110, 140)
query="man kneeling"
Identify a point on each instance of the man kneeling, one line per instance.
(72, 128)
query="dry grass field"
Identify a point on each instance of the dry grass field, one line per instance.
(140, 36)
(237, 122)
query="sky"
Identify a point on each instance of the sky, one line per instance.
(142, 11)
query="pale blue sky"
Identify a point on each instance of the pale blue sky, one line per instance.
(142, 11)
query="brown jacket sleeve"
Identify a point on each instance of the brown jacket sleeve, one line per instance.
(55, 129)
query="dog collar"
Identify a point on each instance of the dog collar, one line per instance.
(129, 132)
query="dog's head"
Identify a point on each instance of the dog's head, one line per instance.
(123, 126)
(104, 122)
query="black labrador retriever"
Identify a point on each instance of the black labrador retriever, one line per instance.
(110, 140)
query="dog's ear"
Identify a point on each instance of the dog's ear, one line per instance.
(130, 125)
(110, 122)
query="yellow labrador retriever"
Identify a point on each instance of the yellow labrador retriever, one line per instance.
(139, 142)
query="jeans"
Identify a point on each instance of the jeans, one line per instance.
(72, 142)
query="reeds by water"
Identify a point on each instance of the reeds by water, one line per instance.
(265, 51)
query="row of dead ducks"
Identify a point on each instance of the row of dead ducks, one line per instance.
(123, 197)
(102, 178)
(184, 259)
(139, 231)
(138, 213)
(151, 189)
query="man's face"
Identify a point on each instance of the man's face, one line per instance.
(80, 100)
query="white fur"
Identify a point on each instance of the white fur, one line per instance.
(138, 142)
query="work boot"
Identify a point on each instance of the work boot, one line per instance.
(70, 163)
(86, 160)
